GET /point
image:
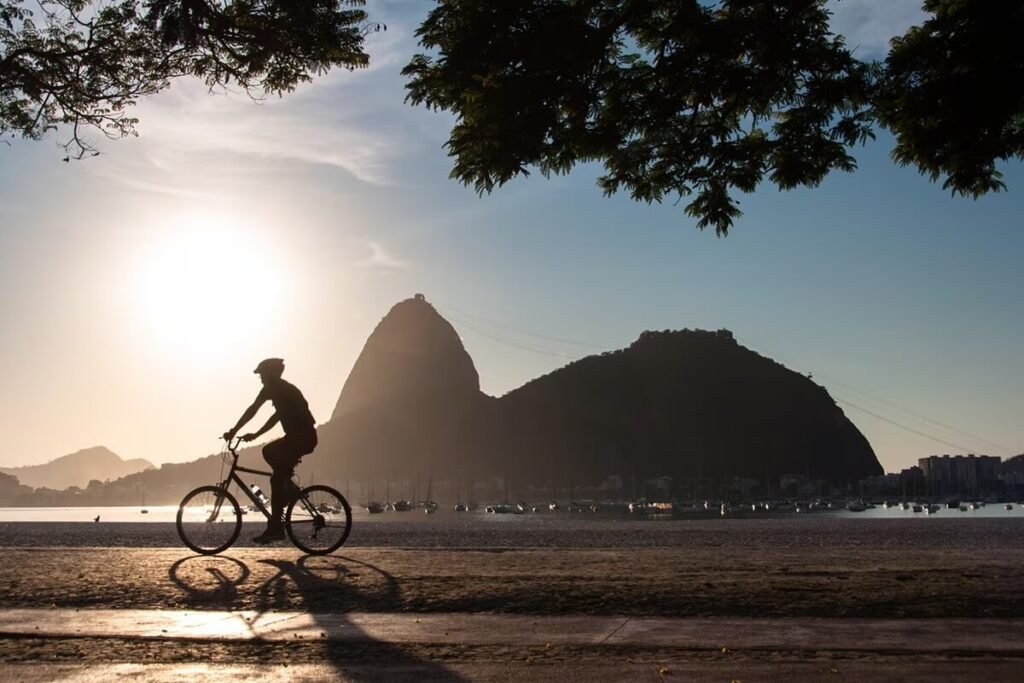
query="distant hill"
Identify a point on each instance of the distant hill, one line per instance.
(77, 469)
(689, 404)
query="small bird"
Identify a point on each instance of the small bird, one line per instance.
(96, 518)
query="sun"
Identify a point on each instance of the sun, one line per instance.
(206, 287)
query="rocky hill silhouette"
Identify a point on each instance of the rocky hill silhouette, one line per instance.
(413, 357)
(77, 469)
(409, 404)
(687, 404)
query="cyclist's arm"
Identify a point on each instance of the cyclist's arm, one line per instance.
(249, 413)
(264, 429)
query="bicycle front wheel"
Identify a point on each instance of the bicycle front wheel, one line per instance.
(209, 520)
(319, 520)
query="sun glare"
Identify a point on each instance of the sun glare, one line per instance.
(205, 286)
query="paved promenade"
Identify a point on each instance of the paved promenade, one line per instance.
(379, 646)
(950, 637)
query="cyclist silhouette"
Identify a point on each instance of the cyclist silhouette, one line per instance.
(292, 411)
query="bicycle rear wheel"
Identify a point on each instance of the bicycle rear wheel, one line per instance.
(209, 520)
(319, 520)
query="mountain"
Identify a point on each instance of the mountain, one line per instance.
(405, 406)
(77, 469)
(413, 357)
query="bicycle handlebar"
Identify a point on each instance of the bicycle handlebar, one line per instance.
(233, 447)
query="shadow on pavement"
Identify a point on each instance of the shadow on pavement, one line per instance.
(316, 586)
(225, 574)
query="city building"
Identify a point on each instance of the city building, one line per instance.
(960, 475)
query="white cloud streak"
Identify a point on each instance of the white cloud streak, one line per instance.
(191, 120)
(344, 119)
(380, 258)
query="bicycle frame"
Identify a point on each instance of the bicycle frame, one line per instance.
(233, 477)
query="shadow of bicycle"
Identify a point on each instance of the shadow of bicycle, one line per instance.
(324, 589)
(209, 582)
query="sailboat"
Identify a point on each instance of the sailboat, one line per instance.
(429, 506)
(573, 506)
(144, 510)
(459, 505)
(372, 506)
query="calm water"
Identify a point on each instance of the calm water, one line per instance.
(990, 527)
(167, 513)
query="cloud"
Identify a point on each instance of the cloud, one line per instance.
(317, 131)
(352, 120)
(380, 259)
(868, 25)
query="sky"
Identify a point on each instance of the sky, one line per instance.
(138, 289)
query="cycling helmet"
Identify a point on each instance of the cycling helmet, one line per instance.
(273, 366)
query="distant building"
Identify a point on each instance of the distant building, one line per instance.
(744, 487)
(912, 483)
(614, 483)
(970, 474)
(798, 485)
(661, 487)
(881, 485)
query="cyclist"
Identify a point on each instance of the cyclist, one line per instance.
(292, 411)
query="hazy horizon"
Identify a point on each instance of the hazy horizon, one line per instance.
(141, 287)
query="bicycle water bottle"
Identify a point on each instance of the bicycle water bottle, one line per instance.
(260, 496)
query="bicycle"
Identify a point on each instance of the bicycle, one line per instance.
(318, 521)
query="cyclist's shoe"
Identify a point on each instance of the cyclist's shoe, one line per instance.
(269, 536)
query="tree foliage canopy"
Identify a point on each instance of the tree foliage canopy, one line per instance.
(85, 64)
(675, 98)
(698, 99)
(953, 93)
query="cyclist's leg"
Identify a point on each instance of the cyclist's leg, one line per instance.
(304, 444)
(279, 454)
